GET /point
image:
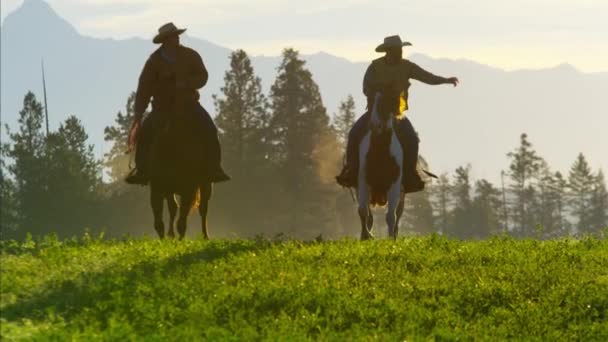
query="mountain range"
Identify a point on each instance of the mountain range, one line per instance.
(563, 110)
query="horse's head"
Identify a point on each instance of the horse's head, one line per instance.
(386, 106)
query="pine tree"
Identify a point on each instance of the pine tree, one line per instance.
(299, 125)
(417, 214)
(243, 122)
(461, 224)
(345, 118)
(559, 188)
(486, 210)
(548, 206)
(545, 206)
(343, 121)
(74, 177)
(242, 116)
(79, 157)
(599, 204)
(27, 170)
(580, 183)
(117, 160)
(8, 204)
(441, 194)
(525, 164)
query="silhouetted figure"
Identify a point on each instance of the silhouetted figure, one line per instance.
(171, 78)
(390, 71)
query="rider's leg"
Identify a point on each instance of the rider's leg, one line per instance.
(348, 176)
(214, 152)
(140, 175)
(409, 138)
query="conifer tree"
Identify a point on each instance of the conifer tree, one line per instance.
(599, 204)
(524, 167)
(580, 183)
(242, 117)
(27, 169)
(486, 210)
(117, 160)
(417, 215)
(74, 179)
(8, 203)
(299, 127)
(462, 213)
(345, 118)
(243, 122)
(441, 194)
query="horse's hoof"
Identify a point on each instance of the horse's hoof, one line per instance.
(367, 236)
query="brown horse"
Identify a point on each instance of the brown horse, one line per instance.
(177, 167)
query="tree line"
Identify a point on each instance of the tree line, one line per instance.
(283, 150)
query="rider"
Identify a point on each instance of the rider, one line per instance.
(172, 76)
(394, 71)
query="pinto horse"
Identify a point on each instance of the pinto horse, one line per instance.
(177, 167)
(381, 166)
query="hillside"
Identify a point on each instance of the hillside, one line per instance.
(412, 289)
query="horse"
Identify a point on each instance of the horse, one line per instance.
(177, 168)
(381, 166)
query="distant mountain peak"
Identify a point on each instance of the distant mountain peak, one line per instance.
(37, 17)
(566, 67)
(39, 3)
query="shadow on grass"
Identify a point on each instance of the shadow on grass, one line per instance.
(74, 296)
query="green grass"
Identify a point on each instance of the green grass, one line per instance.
(411, 289)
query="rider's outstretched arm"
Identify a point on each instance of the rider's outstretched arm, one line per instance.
(424, 76)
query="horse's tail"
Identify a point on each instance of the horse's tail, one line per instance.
(197, 200)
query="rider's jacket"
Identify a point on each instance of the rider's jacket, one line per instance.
(380, 74)
(172, 84)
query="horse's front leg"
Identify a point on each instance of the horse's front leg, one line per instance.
(363, 192)
(172, 204)
(364, 211)
(394, 197)
(206, 190)
(399, 212)
(156, 201)
(186, 201)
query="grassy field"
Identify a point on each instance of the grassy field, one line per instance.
(412, 289)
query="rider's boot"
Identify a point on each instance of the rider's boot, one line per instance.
(411, 178)
(216, 172)
(348, 177)
(137, 177)
(218, 175)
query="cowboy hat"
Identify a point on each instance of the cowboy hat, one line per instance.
(165, 31)
(392, 41)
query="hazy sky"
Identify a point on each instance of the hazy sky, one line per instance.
(508, 34)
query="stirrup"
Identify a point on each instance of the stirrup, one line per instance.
(219, 176)
(413, 184)
(346, 179)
